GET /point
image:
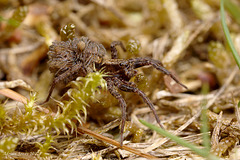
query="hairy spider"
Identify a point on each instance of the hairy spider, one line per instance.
(78, 57)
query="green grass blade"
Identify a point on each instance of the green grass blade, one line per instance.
(227, 35)
(233, 9)
(196, 149)
(204, 120)
(202, 152)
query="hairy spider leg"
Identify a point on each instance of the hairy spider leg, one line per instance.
(87, 51)
(140, 62)
(131, 87)
(123, 105)
(62, 77)
(83, 53)
(54, 82)
(114, 52)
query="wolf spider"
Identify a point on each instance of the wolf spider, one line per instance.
(79, 56)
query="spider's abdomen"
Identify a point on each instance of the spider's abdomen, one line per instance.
(81, 51)
(60, 56)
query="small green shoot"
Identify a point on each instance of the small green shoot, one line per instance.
(202, 152)
(233, 9)
(204, 119)
(67, 32)
(133, 46)
(227, 35)
(17, 18)
(43, 148)
(7, 145)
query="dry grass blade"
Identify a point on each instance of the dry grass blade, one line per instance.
(175, 18)
(15, 83)
(237, 113)
(101, 152)
(216, 131)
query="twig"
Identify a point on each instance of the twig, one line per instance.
(115, 143)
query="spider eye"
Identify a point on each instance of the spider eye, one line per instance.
(81, 45)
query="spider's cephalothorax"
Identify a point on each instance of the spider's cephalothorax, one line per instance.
(78, 57)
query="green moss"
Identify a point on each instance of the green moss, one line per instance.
(136, 132)
(33, 122)
(7, 145)
(217, 54)
(17, 18)
(133, 47)
(67, 32)
(2, 117)
(142, 82)
(43, 148)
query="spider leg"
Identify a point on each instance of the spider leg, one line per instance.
(123, 105)
(55, 81)
(114, 49)
(71, 74)
(131, 87)
(140, 61)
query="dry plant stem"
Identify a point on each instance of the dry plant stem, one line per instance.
(101, 152)
(22, 155)
(140, 111)
(21, 49)
(15, 83)
(159, 142)
(237, 114)
(111, 8)
(174, 14)
(115, 143)
(216, 131)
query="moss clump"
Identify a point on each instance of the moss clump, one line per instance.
(17, 18)
(217, 55)
(67, 32)
(7, 145)
(43, 148)
(31, 121)
(133, 46)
